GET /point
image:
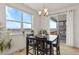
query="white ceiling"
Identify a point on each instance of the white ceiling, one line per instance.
(50, 6)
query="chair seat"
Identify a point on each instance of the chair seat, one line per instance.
(54, 45)
(32, 44)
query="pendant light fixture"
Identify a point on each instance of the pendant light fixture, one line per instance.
(43, 12)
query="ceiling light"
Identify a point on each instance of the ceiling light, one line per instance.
(43, 12)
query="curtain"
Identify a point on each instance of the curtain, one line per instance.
(69, 29)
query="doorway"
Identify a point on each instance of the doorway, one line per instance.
(62, 28)
(58, 26)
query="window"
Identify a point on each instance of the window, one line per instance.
(27, 18)
(25, 26)
(27, 21)
(16, 19)
(13, 25)
(52, 24)
(13, 14)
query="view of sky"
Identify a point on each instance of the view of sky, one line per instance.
(13, 14)
(16, 15)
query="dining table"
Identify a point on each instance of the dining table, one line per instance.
(50, 38)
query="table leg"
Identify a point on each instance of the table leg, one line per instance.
(51, 49)
(27, 47)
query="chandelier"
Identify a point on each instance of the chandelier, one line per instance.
(43, 12)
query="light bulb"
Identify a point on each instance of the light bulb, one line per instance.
(46, 13)
(45, 10)
(39, 12)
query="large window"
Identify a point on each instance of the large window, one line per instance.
(16, 19)
(27, 20)
(53, 24)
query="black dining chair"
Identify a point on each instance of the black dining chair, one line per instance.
(57, 45)
(30, 44)
(40, 46)
(44, 47)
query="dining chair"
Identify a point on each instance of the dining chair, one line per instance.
(40, 43)
(30, 44)
(56, 44)
(44, 47)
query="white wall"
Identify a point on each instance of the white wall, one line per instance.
(76, 28)
(45, 23)
(36, 23)
(2, 14)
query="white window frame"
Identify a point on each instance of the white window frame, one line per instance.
(21, 19)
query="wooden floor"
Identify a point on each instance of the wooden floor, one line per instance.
(65, 50)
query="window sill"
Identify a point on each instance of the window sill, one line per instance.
(16, 34)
